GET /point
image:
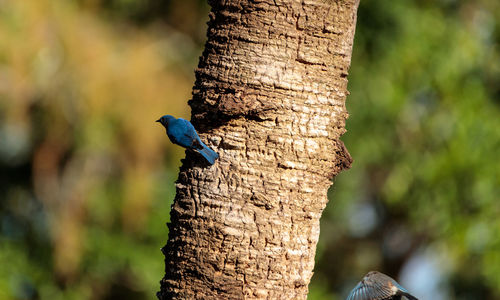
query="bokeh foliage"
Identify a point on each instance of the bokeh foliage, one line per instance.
(85, 196)
(87, 177)
(424, 131)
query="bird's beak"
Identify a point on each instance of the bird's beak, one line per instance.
(159, 120)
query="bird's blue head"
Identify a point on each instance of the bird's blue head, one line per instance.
(165, 120)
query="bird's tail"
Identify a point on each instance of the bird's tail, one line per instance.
(209, 154)
(411, 297)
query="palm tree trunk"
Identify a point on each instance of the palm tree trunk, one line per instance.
(270, 99)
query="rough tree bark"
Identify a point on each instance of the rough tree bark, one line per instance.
(269, 97)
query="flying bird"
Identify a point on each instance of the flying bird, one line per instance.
(182, 133)
(378, 286)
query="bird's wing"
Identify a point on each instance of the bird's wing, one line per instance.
(392, 284)
(181, 133)
(195, 141)
(367, 290)
(191, 134)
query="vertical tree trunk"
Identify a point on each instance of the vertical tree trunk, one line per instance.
(270, 99)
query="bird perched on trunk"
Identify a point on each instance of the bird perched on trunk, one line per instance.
(378, 286)
(182, 133)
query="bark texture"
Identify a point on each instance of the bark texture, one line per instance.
(270, 99)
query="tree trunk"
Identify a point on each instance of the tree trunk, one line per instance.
(270, 99)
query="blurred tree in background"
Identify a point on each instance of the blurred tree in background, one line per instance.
(87, 177)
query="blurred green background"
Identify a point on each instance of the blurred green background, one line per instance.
(87, 177)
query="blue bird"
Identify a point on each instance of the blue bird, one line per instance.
(378, 286)
(182, 133)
